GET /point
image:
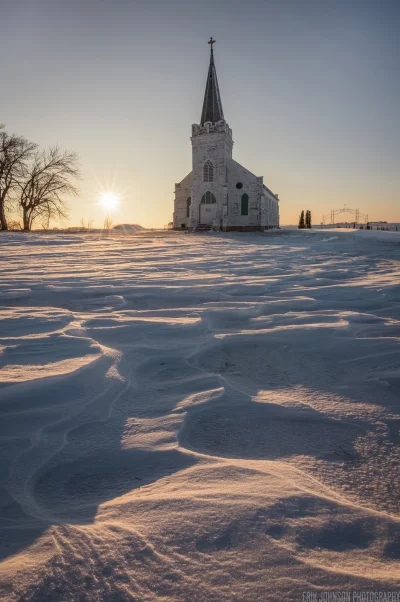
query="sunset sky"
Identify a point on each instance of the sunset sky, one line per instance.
(310, 88)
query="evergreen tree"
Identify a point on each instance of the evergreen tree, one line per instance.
(301, 221)
(308, 219)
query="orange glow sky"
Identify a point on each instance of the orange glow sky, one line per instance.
(309, 88)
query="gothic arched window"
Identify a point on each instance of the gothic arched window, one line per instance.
(245, 204)
(208, 172)
(208, 198)
(188, 203)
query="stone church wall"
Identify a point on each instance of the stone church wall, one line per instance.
(269, 210)
(215, 146)
(252, 186)
(183, 191)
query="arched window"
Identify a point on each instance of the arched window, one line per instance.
(208, 198)
(245, 205)
(208, 172)
(188, 203)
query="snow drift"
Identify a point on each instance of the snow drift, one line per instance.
(128, 228)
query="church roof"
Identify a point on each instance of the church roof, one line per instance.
(212, 106)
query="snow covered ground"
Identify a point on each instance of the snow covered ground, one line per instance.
(192, 418)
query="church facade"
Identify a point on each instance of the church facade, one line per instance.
(219, 193)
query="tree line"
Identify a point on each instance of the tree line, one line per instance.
(34, 182)
(305, 222)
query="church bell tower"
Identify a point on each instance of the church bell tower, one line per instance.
(211, 156)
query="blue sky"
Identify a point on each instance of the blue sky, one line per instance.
(310, 88)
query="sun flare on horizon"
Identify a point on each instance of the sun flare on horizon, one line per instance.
(109, 200)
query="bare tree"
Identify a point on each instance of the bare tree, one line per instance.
(89, 225)
(14, 225)
(107, 223)
(48, 179)
(15, 151)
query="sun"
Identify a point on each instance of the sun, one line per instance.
(109, 200)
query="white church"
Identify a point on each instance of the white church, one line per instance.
(219, 193)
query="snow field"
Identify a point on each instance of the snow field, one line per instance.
(199, 417)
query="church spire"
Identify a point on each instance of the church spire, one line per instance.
(212, 106)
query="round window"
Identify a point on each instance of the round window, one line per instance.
(239, 185)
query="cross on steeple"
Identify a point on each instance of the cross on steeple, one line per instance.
(212, 106)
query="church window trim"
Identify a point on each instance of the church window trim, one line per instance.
(188, 204)
(244, 204)
(208, 198)
(208, 171)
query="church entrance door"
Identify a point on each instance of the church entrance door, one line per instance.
(208, 213)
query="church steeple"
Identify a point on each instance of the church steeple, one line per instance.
(212, 106)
